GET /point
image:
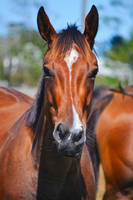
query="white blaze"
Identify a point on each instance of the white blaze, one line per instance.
(76, 121)
(70, 59)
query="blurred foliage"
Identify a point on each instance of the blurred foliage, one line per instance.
(106, 80)
(21, 55)
(121, 50)
(22, 50)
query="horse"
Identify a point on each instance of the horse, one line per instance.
(43, 149)
(111, 126)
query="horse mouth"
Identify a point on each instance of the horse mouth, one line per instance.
(73, 155)
(71, 152)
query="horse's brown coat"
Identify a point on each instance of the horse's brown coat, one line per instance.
(114, 137)
(115, 143)
(31, 166)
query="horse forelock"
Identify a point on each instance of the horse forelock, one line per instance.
(64, 42)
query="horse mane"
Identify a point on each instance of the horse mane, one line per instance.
(37, 106)
(100, 99)
(64, 42)
(91, 130)
(35, 118)
(65, 39)
(98, 94)
(122, 90)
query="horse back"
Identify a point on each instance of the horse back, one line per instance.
(12, 105)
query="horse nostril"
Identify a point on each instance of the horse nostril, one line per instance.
(77, 136)
(61, 131)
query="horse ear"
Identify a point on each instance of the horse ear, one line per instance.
(91, 25)
(45, 28)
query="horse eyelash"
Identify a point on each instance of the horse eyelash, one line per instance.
(47, 72)
(93, 73)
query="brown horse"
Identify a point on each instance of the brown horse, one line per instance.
(43, 152)
(112, 115)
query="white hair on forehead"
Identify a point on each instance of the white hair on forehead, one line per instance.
(70, 58)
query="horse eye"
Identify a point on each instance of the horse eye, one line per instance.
(93, 73)
(47, 72)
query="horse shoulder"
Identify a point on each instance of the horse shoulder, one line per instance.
(12, 105)
(10, 96)
(16, 153)
(115, 122)
(115, 139)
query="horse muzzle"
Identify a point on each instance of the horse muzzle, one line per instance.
(69, 142)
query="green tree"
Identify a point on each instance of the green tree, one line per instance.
(121, 50)
(21, 55)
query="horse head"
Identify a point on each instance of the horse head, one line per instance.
(70, 67)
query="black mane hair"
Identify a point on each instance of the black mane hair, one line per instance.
(37, 106)
(35, 119)
(100, 99)
(65, 39)
(69, 35)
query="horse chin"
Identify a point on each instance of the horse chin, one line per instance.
(70, 151)
(73, 155)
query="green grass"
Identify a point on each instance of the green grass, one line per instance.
(107, 81)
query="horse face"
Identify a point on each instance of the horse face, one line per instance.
(69, 87)
(70, 68)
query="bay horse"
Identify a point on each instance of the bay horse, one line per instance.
(43, 151)
(111, 126)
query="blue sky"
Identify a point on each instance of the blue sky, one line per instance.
(68, 11)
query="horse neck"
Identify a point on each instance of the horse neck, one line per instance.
(55, 172)
(51, 162)
(53, 167)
